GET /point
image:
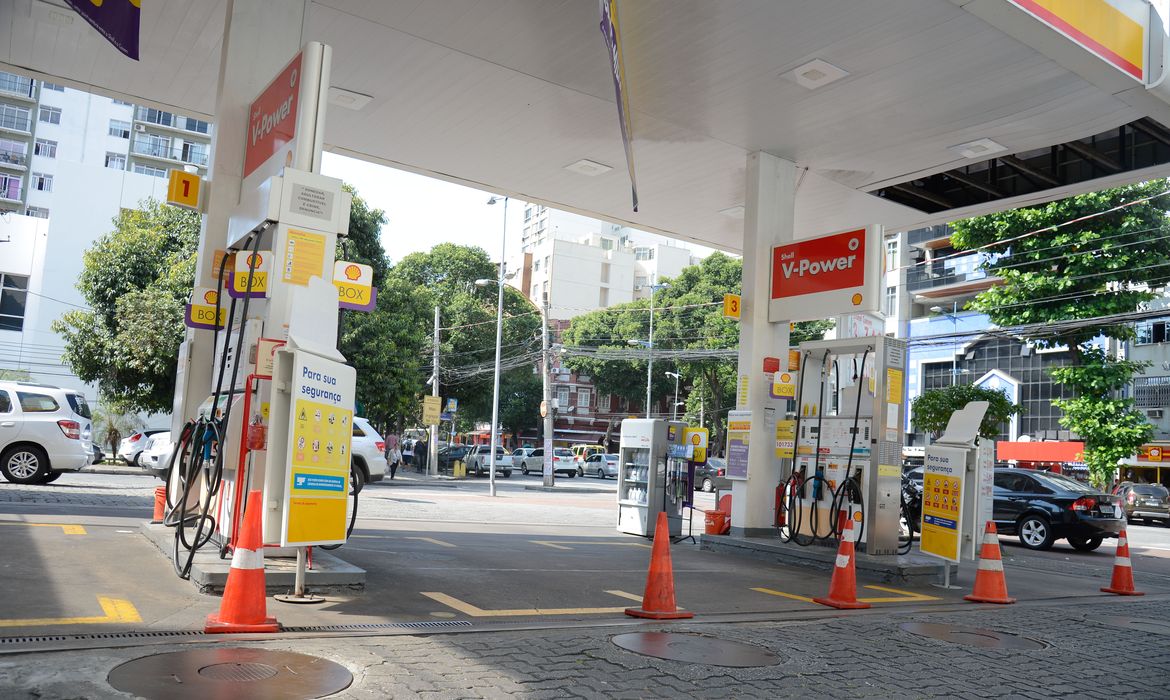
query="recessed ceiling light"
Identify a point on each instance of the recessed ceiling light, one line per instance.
(978, 148)
(348, 98)
(816, 73)
(588, 167)
(735, 212)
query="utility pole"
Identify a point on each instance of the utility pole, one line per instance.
(546, 363)
(433, 452)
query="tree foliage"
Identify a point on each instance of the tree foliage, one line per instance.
(931, 410)
(1087, 258)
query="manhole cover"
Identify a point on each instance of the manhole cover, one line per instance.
(1134, 623)
(257, 674)
(972, 636)
(695, 648)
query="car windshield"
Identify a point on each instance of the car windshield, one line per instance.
(1151, 490)
(563, 452)
(611, 458)
(1058, 482)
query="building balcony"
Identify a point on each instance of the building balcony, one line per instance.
(168, 154)
(172, 122)
(16, 125)
(929, 237)
(18, 87)
(11, 160)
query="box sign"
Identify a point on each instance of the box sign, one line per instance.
(184, 189)
(272, 118)
(824, 277)
(697, 439)
(355, 285)
(201, 312)
(260, 263)
(784, 385)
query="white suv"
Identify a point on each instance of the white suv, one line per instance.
(479, 461)
(44, 431)
(368, 452)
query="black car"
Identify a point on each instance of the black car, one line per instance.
(1041, 507)
(712, 475)
(447, 455)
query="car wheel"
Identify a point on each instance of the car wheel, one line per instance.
(136, 461)
(524, 471)
(580, 471)
(1082, 544)
(600, 473)
(507, 473)
(26, 464)
(708, 485)
(572, 474)
(1035, 532)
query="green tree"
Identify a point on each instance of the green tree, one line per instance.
(364, 242)
(110, 425)
(520, 398)
(1072, 267)
(931, 410)
(136, 280)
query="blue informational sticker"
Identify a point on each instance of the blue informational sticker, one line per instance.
(318, 482)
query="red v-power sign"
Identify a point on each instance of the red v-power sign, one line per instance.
(824, 277)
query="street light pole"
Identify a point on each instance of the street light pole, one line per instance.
(674, 412)
(650, 353)
(546, 363)
(432, 463)
(499, 341)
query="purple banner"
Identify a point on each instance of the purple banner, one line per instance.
(609, 29)
(117, 20)
(361, 307)
(200, 318)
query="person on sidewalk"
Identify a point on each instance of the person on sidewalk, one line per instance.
(394, 458)
(420, 455)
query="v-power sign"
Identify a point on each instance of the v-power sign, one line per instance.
(827, 276)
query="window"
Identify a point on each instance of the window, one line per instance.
(42, 182)
(15, 118)
(536, 266)
(117, 161)
(527, 214)
(12, 152)
(196, 125)
(36, 403)
(50, 115)
(357, 432)
(1012, 482)
(546, 264)
(12, 301)
(603, 402)
(52, 86)
(1151, 332)
(605, 273)
(892, 255)
(1151, 392)
(120, 128)
(583, 396)
(10, 186)
(562, 396)
(643, 253)
(603, 297)
(195, 153)
(38, 212)
(607, 244)
(639, 281)
(147, 170)
(46, 148)
(5, 402)
(78, 404)
(123, 103)
(891, 301)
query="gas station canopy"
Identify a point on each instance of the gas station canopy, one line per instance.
(899, 112)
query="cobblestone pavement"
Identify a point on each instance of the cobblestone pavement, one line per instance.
(848, 656)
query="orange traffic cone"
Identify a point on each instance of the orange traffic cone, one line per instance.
(160, 504)
(243, 607)
(1122, 583)
(990, 585)
(658, 600)
(843, 585)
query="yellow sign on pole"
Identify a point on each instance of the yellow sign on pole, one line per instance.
(304, 257)
(185, 190)
(432, 408)
(785, 439)
(731, 306)
(784, 385)
(942, 501)
(697, 437)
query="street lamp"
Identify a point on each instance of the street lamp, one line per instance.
(955, 324)
(650, 344)
(676, 375)
(499, 340)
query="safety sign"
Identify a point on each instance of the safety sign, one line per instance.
(319, 451)
(304, 257)
(201, 312)
(355, 285)
(942, 501)
(739, 427)
(697, 438)
(259, 264)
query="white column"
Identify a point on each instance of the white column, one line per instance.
(260, 37)
(768, 221)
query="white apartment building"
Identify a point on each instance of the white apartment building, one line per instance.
(69, 162)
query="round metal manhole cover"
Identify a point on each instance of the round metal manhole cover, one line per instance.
(972, 636)
(1133, 623)
(238, 672)
(257, 674)
(695, 648)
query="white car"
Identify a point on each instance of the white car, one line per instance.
(479, 461)
(564, 462)
(368, 453)
(44, 431)
(156, 455)
(131, 447)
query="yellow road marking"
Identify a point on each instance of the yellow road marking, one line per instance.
(561, 544)
(115, 609)
(473, 611)
(903, 596)
(432, 540)
(67, 529)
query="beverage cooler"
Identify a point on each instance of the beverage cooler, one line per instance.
(654, 476)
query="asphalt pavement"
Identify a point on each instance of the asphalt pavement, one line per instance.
(520, 594)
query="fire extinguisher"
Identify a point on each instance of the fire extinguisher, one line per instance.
(257, 434)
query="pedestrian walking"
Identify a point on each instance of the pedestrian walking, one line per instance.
(395, 459)
(420, 454)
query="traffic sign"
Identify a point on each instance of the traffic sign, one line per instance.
(731, 306)
(452, 406)
(430, 410)
(185, 190)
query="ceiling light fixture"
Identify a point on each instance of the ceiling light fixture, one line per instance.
(588, 167)
(816, 74)
(348, 98)
(977, 148)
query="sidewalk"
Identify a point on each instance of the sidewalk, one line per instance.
(835, 655)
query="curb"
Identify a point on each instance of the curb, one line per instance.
(116, 472)
(568, 489)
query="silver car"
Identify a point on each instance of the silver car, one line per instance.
(564, 462)
(600, 465)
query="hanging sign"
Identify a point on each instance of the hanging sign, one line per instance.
(825, 277)
(731, 306)
(784, 385)
(185, 190)
(201, 312)
(272, 120)
(260, 263)
(355, 285)
(697, 439)
(431, 410)
(739, 427)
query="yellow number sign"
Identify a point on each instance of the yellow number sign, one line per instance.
(184, 190)
(731, 305)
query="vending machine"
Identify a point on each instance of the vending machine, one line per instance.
(654, 476)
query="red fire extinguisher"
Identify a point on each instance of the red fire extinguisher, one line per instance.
(257, 434)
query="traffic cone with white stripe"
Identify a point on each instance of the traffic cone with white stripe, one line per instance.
(658, 599)
(990, 584)
(843, 586)
(1122, 583)
(243, 608)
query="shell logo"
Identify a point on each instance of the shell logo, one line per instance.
(856, 300)
(210, 296)
(785, 377)
(254, 261)
(352, 272)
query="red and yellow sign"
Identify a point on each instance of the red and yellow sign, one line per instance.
(1151, 453)
(272, 117)
(823, 277)
(1114, 31)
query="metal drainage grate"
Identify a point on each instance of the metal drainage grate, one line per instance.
(230, 672)
(1134, 623)
(695, 648)
(429, 624)
(43, 639)
(972, 636)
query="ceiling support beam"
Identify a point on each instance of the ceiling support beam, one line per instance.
(1093, 155)
(1028, 171)
(975, 183)
(1152, 129)
(925, 196)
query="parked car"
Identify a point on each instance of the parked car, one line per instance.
(582, 451)
(449, 454)
(98, 455)
(367, 453)
(1145, 502)
(156, 454)
(564, 462)
(131, 446)
(1041, 507)
(479, 461)
(44, 431)
(600, 465)
(712, 475)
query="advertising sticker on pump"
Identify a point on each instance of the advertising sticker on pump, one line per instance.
(826, 276)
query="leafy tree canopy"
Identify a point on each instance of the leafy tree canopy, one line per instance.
(932, 409)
